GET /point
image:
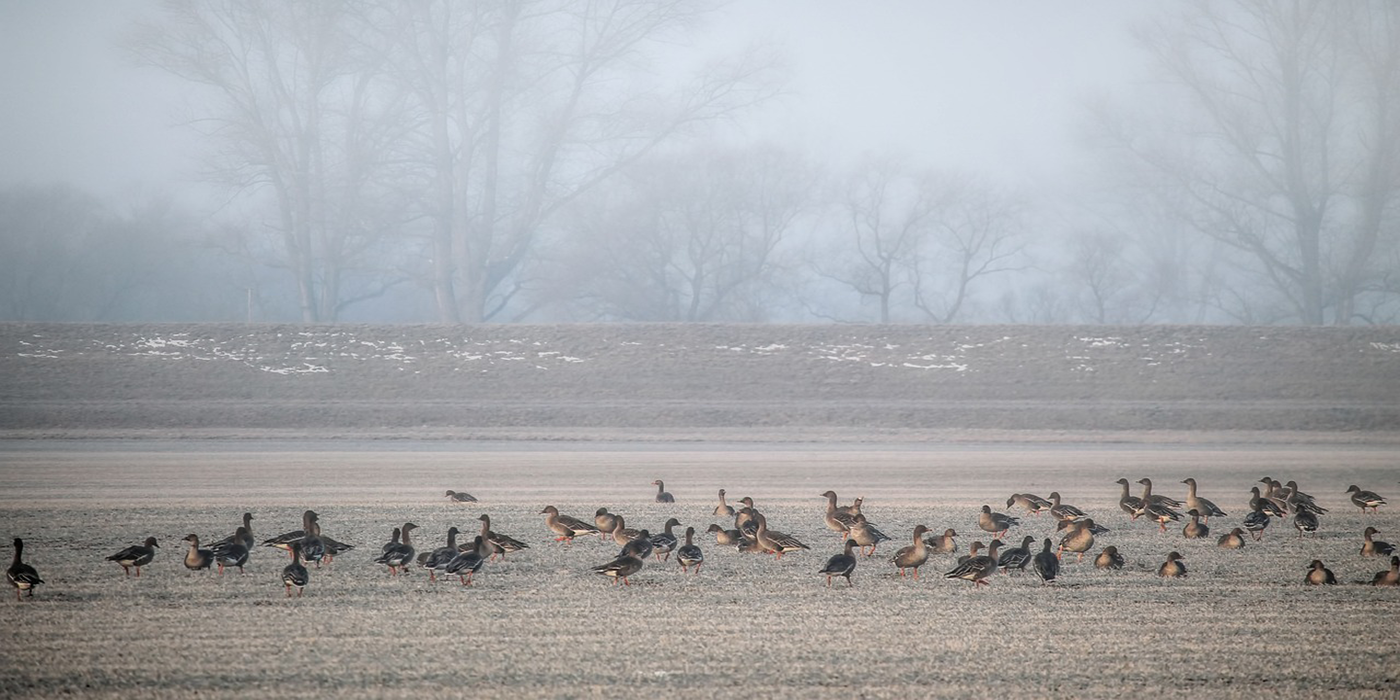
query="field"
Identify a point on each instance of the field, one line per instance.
(540, 624)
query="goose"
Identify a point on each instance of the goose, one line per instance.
(605, 522)
(1063, 511)
(944, 543)
(1195, 529)
(1095, 527)
(498, 543)
(196, 558)
(439, 558)
(21, 575)
(398, 553)
(232, 554)
(137, 555)
(852, 509)
(313, 548)
(1256, 520)
(1148, 497)
(1273, 491)
(663, 543)
(393, 541)
(1297, 500)
(620, 568)
(1173, 568)
(913, 556)
(723, 509)
(460, 497)
(465, 564)
(842, 564)
(1319, 575)
(1046, 564)
(977, 569)
(1017, 557)
(866, 535)
(640, 547)
(294, 575)
(1109, 558)
(836, 519)
(1204, 506)
(1304, 521)
(566, 527)
(773, 541)
(1390, 577)
(689, 554)
(725, 537)
(1033, 504)
(743, 517)
(973, 550)
(284, 541)
(1365, 499)
(1233, 539)
(1132, 505)
(996, 523)
(1079, 540)
(661, 495)
(1373, 547)
(1259, 503)
(1160, 514)
(623, 534)
(247, 539)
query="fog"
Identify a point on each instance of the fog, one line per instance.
(773, 161)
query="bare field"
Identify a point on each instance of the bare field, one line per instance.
(540, 624)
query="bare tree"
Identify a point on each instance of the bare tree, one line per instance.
(978, 232)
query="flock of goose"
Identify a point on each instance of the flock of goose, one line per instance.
(751, 533)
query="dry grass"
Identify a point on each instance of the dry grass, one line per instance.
(540, 624)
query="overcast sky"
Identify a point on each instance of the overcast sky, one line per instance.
(991, 86)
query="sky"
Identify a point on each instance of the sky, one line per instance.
(991, 86)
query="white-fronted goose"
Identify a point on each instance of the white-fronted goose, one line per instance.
(1149, 497)
(232, 554)
(944, 543)
(460, 497)
(284, 541)
(1297, 500)
(499, 544)
(1109, 558)
(852, 509)
(690, 554)
(622, 534)
(1304, 521)
(21, 575)
(1273, 491)
(1372, 547)
(1033, 504)
(1256, 520)
(313, 547)
(1045, 563)
(661, 495)
(1063, 511)
(1390, 577)
(1132, 505)
(1233, 539)
(664, 542)
(836, 520)
(196, 558)
(842, 564)
(1264, 505)
(1319, 575)
(393, 541)
(1204, 506)
(866, 535)
(1079, 540)
(247, 540)
(294, 575)
(995, 523)
(439, 558)
(1172, 568)
(1195, 529)
(1016, 558)
(565, 528)
(137, 555)
(913, 556)
(725, 537)
(723, 509)
(605, 522)
(1095, 527)
(465, 564)
(973, 550)
(1159, 514)
(743, 518)
(1365, 499)
(977, 569)
(398, 553)
(620, 568)
(640, 547)
(778, 543)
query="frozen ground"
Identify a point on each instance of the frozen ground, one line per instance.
(540, 624)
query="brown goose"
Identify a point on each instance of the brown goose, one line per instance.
(1388, 578)
(1204, 506)
(773, 541)
(977, 569)
(836, 519)
(1034, 505)
(1233, 539)
(995, 523)
(913, 556)
(1063, 511)
(944, 543)
(1373, 547)
(723, 509)
(460, 497)
(565, 527)
(1079, 540)
(843, 564)
(725, 537)
(1109, 558)
(1195, 529)
(620, 568)
(1149, 497)
(866, 535)
(137, 555)
(294, 575)
(661, 495)
(398, 553)
(1319, 575)
(1365, 499)
(21, 575)
(1172, 568)
(247, 540)
(690, 554)
(973, 550)
(1130, 504)
(622, 534)
(606, 522)
(499, 544)
(196, 558)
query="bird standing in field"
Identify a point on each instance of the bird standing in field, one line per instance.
(1045, 563)
(842, 564)
(21, 575)
(1063, 511)
(977, 569)
(837, 519)
(500, 544)
(913, 556)
(605, 522)
(944, 543)
(1304, 521)
(137, 555)
(777, 543)
(1130, 504)
(231, 554)
(866, 535)
(1172, 568)
(245, 538)
(398, 553)
(689, 554)
(460, 497)
(640, 547)
(1256, 520)
(196, 558)
(620, 568)
(1016, 558)
(565, 527)
(1319, 575)
(294, 575)
(1034, 505)
(996, 523)
(1204, 506)
(1079, 540)
(1365, 499)
(661, 495)
(663, 543)
(723, 509)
